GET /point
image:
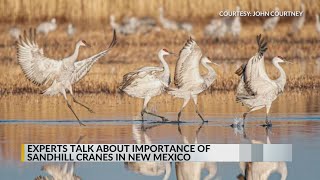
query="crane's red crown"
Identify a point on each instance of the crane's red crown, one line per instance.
(280, 57)
(165, 50)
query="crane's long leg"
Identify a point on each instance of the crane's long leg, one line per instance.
(246, 113)
(185, 102)
(74, 100)
(69, 106)
(268, 122)
(195, 100)
(145, 104)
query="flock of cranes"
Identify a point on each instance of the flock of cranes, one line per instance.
(255, 90)
(43, 28)
(217, 27)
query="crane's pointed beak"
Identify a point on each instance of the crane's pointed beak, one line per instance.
(289, 62)
(87, 45)
(172, 53)
(216, 64)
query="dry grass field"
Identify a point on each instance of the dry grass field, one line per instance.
(138, 50)
(99, 10)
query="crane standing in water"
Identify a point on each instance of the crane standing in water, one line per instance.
(148, 82)
(187, 77)
(62, 74)
(256, 90)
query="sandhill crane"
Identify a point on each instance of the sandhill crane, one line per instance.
(139, 25)
(193, 170)
(187, 76)
(271, 22)
(186, 26)
(147, 168)
(216, 29)
(58, 172)
(235, 26)
(298, 22)
(262, 170)
(172, 25)
(166, 23)
(317, 23)
(130, 27)
(61, 74)
(147, 21)
(71, 30)
(256, 90)
(47, 27)
(15, 32)
(148, 82)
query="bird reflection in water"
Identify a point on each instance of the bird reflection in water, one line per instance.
(59, 171)
(140, 136)
(261, 170)
(192, 170)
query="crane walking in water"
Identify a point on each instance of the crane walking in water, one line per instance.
(256, 90)
(187, 77)
(148, 82)
(62, 74)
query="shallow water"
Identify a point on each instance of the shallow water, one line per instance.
(37, 119)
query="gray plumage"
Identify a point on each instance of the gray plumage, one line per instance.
(132, 25)
(256, 90)
(148, 82)
(15, 32)
(172, 25)
(58, 172)
(271, 22)
(194, 170)
(61, 74)
(71, 30)
(128, 28)
(187, 77)
(216, 29)
(298, 22)
(235, 26)
(47, 27)
(147, 168)
(262, 170)
(317, 24)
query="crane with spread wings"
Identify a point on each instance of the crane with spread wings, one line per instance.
(256, 90)
(61, 74)
(187, 78)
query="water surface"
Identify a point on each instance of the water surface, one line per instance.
(38, 119)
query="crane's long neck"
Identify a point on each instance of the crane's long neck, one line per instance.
(281, 81)
(161, 16)
(168, 171)
(166, 72)
(276, 18)
(113, 23)
(75, 54)
(210, 76)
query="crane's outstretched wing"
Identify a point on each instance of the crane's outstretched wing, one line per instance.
(83, 67)
(36, 67)
(254, 77)
(139, 74)
(187, 67)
